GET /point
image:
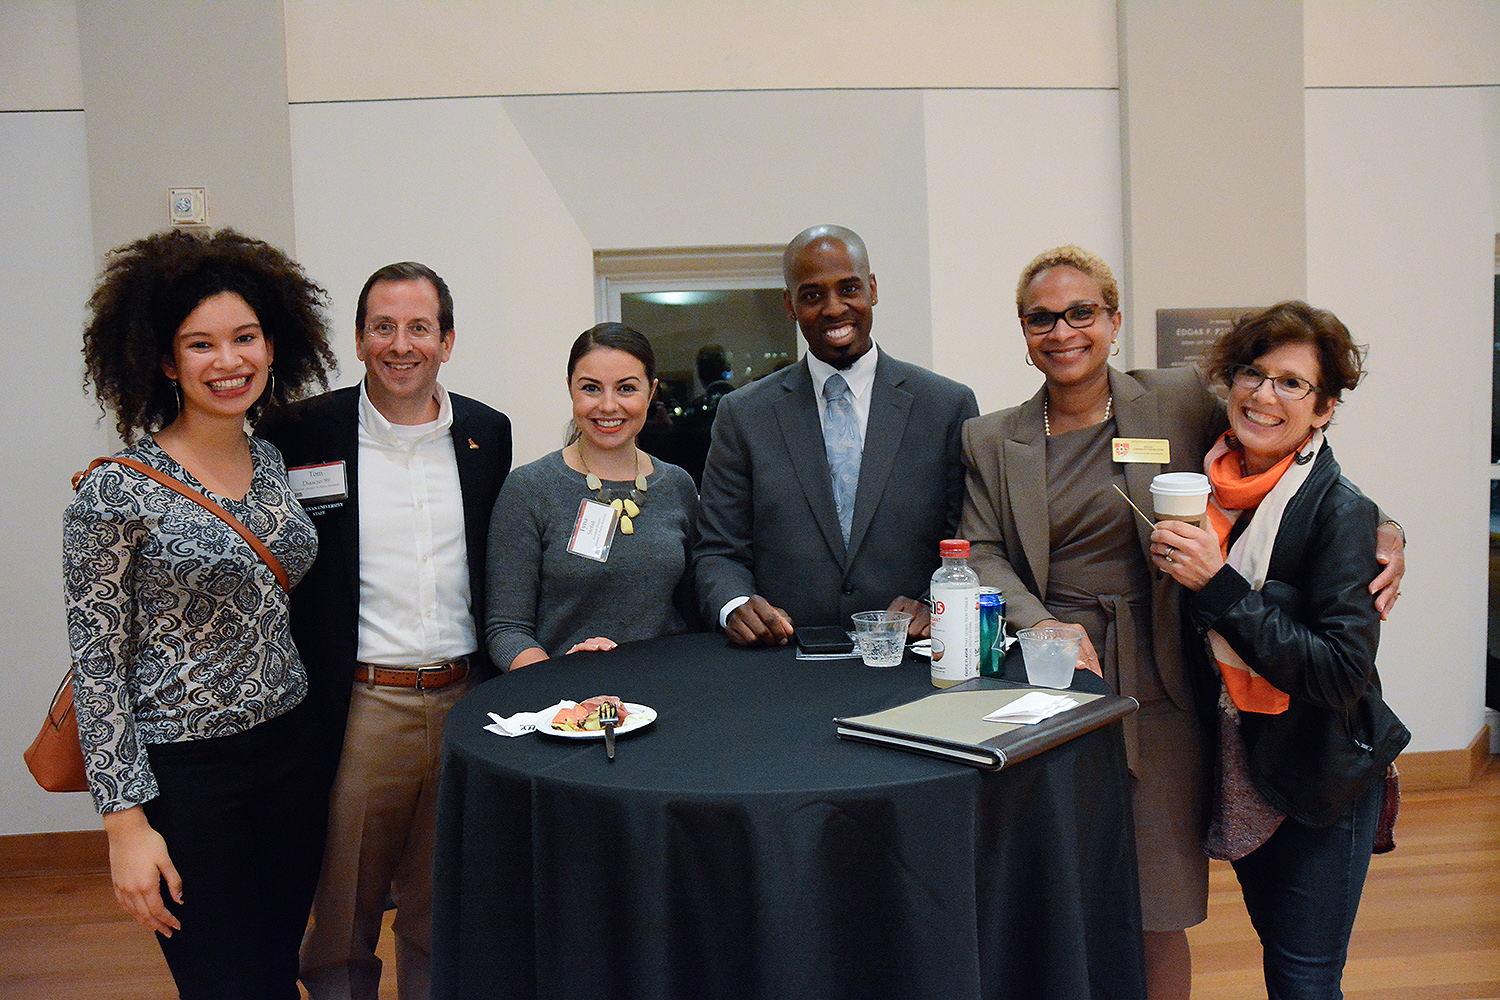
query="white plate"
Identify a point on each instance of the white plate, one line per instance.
(640, 716)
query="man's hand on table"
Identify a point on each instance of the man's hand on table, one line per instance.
(757, 622)
(920, 626)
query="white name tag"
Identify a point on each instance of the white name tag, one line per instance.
(319, 483)
(594, 531)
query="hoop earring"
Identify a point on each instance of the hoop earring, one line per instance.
(1117, 348)
(271, 387)
(1029, 361)
(178, 389)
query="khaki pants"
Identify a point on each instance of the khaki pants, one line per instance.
(381, 825)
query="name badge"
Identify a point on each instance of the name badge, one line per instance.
(317, 484)
(594, 531)
(1157, 451)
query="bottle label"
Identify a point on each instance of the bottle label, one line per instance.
(955, 633)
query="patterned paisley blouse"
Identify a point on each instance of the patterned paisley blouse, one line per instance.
(179, 630)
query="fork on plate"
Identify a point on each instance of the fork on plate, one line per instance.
(609, 717)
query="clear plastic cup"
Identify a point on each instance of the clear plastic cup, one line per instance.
(1051, 654)
(881, 637)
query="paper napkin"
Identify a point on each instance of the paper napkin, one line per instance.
(525, 722)
(1031, 708)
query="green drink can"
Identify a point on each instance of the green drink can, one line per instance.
(991, 632)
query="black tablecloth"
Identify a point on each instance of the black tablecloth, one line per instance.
(737, 848)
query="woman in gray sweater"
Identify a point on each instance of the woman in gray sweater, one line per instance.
(590, 546)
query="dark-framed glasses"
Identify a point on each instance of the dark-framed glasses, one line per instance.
(1288, 387)
(1079, 316)
(415, 330)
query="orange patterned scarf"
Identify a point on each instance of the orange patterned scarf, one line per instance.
(1234, 493)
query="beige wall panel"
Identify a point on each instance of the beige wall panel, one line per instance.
(39, 71)
(1402, 43)
(337, 50)
(716, 169)
(185, 94)
(1212, 121)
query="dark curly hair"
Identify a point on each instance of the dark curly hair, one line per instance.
(150, 286)
(1255, 334)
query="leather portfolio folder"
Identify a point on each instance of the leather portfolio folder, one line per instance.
(951, 723)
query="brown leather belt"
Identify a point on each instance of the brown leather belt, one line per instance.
(427, 677)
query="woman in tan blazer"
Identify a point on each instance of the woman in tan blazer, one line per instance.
(1046, 526)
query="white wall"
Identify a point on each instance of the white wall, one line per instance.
(1402, 199)
(991, 209)
(50, 431)
(508, 198)
(450, 184)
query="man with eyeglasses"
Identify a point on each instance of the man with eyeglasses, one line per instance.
(829, 484)
(399, 476)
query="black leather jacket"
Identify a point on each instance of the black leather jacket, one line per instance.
(1312, 631)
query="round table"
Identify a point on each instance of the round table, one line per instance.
(737, 848)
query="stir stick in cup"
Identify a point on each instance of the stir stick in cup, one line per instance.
(1133, 507)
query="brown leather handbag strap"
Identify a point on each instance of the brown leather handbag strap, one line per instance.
(178, 486)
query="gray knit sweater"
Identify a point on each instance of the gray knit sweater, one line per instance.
(540, 594)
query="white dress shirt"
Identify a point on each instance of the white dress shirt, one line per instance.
(414, 600)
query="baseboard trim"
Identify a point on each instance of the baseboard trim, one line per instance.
(43, 853)
(1438, 769)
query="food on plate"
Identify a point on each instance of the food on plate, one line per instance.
(584, 717)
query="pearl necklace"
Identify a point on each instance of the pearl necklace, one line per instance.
(1109, 402)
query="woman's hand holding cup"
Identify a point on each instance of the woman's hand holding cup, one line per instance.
(1186, 553)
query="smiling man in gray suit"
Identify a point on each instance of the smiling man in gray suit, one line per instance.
(830, 483)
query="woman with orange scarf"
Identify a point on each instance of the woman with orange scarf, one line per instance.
(1288, 633)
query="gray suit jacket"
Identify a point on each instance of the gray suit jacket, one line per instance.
(1005, 503)
(767, 520)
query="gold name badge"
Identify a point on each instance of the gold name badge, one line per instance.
(1157, 451)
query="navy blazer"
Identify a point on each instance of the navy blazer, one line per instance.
(767, 519)
(325, 605)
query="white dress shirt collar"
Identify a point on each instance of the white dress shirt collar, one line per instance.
(374, 423)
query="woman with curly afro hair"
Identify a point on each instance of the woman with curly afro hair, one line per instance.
(188, 689)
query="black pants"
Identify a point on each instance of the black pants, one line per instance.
(244, 817)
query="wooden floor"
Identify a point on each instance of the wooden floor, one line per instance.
(1429, 926)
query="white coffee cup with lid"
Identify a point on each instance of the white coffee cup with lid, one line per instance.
(1181, 496)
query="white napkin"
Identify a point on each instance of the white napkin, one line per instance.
(1031, 708)
(525, 722)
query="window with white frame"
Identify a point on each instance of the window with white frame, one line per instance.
(716, 321)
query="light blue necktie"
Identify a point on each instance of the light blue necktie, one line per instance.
(842, 440)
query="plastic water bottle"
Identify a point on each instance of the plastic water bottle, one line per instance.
(955, 616)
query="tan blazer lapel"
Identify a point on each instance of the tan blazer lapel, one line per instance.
(1137, 415)
(1026, 472)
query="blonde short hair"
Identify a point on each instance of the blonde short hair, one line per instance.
(1079, 259)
